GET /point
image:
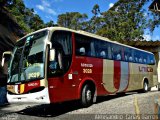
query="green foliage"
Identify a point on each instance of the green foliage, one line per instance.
(95, 23)
(126, 20)
(73, 20)
(25, 17)
(50, 24)
(96, 10)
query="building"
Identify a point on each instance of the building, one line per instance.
(155, 6)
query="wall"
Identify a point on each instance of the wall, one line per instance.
(9, 33)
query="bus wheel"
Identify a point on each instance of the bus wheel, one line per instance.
(145, 86)
(87, 96)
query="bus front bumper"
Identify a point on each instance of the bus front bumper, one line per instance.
(41, 97)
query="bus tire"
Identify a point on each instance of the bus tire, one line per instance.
(87, 96)
(145, 86)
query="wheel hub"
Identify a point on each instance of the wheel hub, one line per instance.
(88, 95)
(145, 86)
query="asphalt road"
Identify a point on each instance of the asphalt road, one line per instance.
(132, 106)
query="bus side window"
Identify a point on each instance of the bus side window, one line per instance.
(125, 57)
(82, 51)
(140, 59)
(84, 46)
(152, 60)
(102, 49)
(119, 56)
(136, 58)
(116, 52)
(129, 55)
(61, 42)
(144, 60)
(92, 49)
(113, 57)
(130, 58)
(103, 54)
(148, 58)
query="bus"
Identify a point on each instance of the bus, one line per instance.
(57, 64)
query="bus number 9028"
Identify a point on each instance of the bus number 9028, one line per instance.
(87, 70)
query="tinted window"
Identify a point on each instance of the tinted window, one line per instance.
(116, 52)
(151, 59)
(129, 54)
(103, 49)
(63, 39)
(136, 56)
(87, 46)
(143, 57)
(84, 45)
(62, 43)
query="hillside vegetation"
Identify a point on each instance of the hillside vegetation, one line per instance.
(127, 20)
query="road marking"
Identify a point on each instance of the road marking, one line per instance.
(136, 107)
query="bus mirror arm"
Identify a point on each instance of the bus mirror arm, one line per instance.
(50, 45)
(52, 54)
(5, 57)
(2, 63)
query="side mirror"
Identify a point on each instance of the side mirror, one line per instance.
(6, 57)
(52, 55)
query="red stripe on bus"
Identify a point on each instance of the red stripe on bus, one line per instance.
(31, 85)
(18, 88)
(117, 74)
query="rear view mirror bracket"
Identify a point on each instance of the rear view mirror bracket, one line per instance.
(6, 55)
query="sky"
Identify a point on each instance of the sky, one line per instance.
(50, 9)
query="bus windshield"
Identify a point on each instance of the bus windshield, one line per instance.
(28, 58)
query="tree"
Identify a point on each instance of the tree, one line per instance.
(77, 21)
(96, 10)
(50, 24)
(154, 21)
(73, 20)
(25, 17)
(36, 23)
(125, 21)
(95, 23)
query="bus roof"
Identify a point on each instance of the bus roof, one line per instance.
(85, 34)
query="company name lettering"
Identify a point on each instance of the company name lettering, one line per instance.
(86, 65)
(145, 69)
(32, 84)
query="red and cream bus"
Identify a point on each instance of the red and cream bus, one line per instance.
(58, 64)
